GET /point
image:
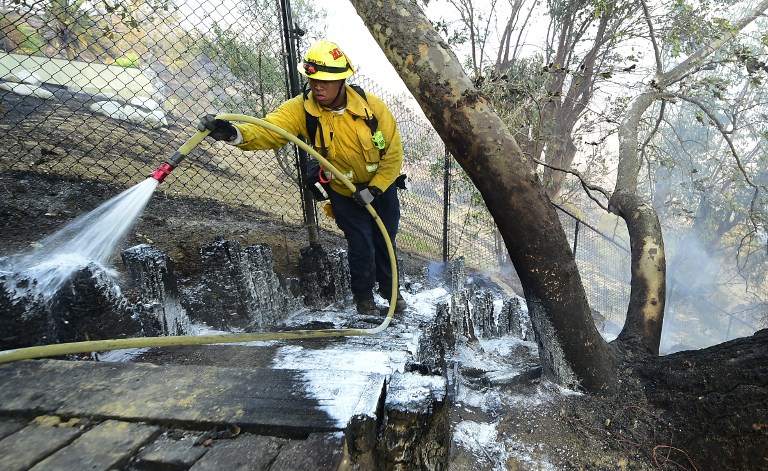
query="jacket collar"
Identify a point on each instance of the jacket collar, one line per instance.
(356, 105)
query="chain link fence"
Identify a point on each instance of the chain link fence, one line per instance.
(604, 264)
(93, 73)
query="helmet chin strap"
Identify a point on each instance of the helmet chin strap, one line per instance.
(338, 94)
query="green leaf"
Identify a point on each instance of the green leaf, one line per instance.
(722, 22)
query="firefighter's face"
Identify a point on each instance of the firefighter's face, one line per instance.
(327, 92)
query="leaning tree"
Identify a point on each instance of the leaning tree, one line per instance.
(571, 350)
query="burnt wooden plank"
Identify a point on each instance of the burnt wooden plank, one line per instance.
(246, 453)
(171, 451)
(21, 450)
(212, 355)
(108, 445)
(9, 426)
(319, 452)
(284, 402)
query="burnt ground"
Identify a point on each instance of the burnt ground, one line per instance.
(698, 411)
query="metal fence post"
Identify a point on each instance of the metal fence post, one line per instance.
(576, 237)
(307, 202)
(446, 202)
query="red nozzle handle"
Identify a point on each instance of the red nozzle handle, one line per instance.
(162, 171)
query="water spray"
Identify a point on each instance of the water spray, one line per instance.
(160, 174)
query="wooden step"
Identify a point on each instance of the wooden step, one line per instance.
(47, 443)
(281, 402)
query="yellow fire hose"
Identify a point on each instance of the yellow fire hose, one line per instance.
(41, 351)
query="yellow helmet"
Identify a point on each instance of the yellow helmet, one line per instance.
(325, 61)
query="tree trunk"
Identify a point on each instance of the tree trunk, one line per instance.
(647, 297)
(571, 349)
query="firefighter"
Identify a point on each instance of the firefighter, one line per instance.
(368, 153)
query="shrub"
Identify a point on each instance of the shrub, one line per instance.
(130, 59)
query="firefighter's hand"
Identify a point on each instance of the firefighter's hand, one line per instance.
(365, 196)
(221, 130)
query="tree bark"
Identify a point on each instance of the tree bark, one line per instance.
(647, 297)
(571, 349)
(714, 399)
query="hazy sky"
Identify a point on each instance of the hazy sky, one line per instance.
(354, 39)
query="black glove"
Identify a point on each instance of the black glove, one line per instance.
(366, 195)
(221, 130)
(375, 192)
(401, 182)
(311, 171)
(313, 182)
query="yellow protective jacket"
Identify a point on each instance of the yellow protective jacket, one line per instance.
(347, 137)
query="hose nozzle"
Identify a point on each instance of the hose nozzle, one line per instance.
(162, 171)
(177, 157)
(167, 167)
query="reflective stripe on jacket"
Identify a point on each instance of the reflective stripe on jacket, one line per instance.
(347, 136)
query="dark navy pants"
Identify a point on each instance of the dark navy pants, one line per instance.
(367, 251)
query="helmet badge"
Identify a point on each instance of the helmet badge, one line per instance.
(336, 53)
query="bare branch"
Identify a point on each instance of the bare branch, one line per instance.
(588, 187)
(655, 129)
(652, 33)
(725, 134)
(520, 34)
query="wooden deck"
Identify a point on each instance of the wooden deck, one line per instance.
(55, 413)
(266, 401)
(218, 407)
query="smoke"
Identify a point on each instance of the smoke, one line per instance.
(698, 300)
